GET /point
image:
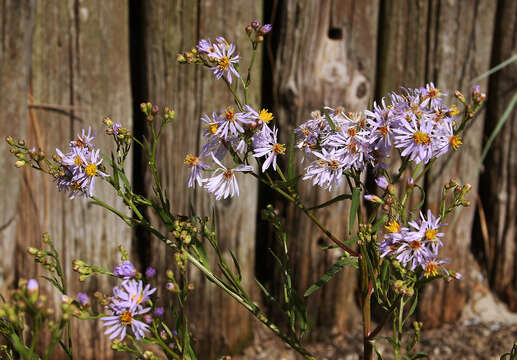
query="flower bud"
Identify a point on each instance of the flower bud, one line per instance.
(19, 163)
(249, 29)
(265, 29)
(373, 198)
(21, 142)
(170, 274)
(33, 289)
(255, 24)
(460, 97)
(259, 38)
(107, 121)
(10, 140)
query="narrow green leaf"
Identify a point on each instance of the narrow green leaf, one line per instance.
(266, 293)
(329, 120)
(356, 192)
(290, 166)
(498, 127)
(237, 266)
(413, 307)
(496, 68)
(336, 199)
(422, 191)
(334, 269)
(419, 355)
(379, 223)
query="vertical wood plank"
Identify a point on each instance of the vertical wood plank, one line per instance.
(170, 27)
(498, 189)
(80, 63)
(17, 24)
(325, 57)
(459, 52)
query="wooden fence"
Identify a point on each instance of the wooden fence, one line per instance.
(65, 64)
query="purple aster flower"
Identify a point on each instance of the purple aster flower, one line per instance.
(257, 119)
(83, 299)
(196, 166)
(415, 138)
(170, 287)
(222, 54)
(223, 182)
(125, 270)
(87, 178)
(429, 231)
(326, 171)
(119, 323)
(255, 24)
(84, 139)
(32, 286)
(231, 124)
(205, 46)
(159, 311)
(130, 293)
(382, 182)
(148, 319)
(265, 29)
(150, 272)
(412, 249)
(265, 144)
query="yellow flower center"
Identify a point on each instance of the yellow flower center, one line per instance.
(453, 110)
(79, 143)
(213, 128)
(352, 132)
(415, 245)
(393, 227)
(455, 141)
(126, 318)
(279, 149)
(78, 161)
(91, 170)
(431, 269)
(430, 234)
(265, 116)
(191, 160)
(229, 114)
(383, 130)
(139, 297)
(334, 164)
(224, 62)
(421, 138)
(228, 174)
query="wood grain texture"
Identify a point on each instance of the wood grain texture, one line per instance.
(169, 27)
(459, 50)
(17, 24)
(80, 60)
(498, 182)
(326, 57)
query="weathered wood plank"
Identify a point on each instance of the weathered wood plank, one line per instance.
(17, 24)
(169, 27)
(326, 56)
(459, 50)
(80, 58)
(498, 182)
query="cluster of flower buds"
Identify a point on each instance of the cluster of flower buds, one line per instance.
(256, 31)
(399, 287)
(25, 155)
(184, 230)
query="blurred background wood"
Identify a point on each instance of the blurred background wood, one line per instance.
(78, 64)
(85, 60)
(167, 28)
(323, 58)
(496, 247)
